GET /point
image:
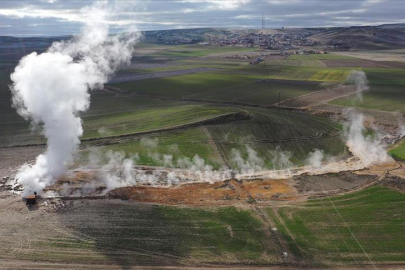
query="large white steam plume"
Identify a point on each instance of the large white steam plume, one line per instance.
(51, 89)
(367, 148)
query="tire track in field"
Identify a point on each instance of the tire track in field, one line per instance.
(214, 146)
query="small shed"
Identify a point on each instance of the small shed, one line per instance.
(31, 200)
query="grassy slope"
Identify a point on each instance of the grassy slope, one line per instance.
(184, 51)
(387, 91)
(222, 86)
(134, 234)
(375, 216)
(399, 151)
(151, 118)
(179, 144)
(116, 115)
(296, 62)
(269, 130)
(296, 72)
(319, 57)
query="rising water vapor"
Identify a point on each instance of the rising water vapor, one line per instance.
(359, 79)
(368, 148)
(52, 89)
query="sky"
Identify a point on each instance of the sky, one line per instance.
(64, 17)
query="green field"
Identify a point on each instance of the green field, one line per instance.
(387, 91)
(222, 86)
(319, 57)
(185, 51)
(123, 115)
(296, 73)
(271, 131)
(399, 151)
(267, 132)
(136, 234)
(151, 118)
(296, 62)
(323, 234)
(179, 144)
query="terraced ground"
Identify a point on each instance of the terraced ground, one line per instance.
(127, 234)
(269, 132)
(266, 132)
(178, 144)
(363, 228)
(112, 115)
(387, 91)
(111, 232)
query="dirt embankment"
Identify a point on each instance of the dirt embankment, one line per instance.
(229, 192)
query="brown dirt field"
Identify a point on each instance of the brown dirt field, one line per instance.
(343, 181)
(12, 158)
(363, 63)
(230, 192)
(320, 97)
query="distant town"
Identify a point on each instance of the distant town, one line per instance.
(267, 39)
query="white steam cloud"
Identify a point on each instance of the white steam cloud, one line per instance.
(315, 159)
(51, 89)
(251, 164)
(368, 148)
(359, 79)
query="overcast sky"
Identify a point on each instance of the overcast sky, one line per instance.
(63, 17)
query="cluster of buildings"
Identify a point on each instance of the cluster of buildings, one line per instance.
(310, 52)
(175, 39)
(278, 41)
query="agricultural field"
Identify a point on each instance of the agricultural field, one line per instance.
(267, 132)
(270, 133)
(131, 234)
(240, 85)
(179, 144)
(387, 91)
(360, 228)
(123, 115)
(296, 62)
(319, 57)
(186, 51)
(227, 112)
(398, 152)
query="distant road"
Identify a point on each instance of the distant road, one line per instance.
(155, 75)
